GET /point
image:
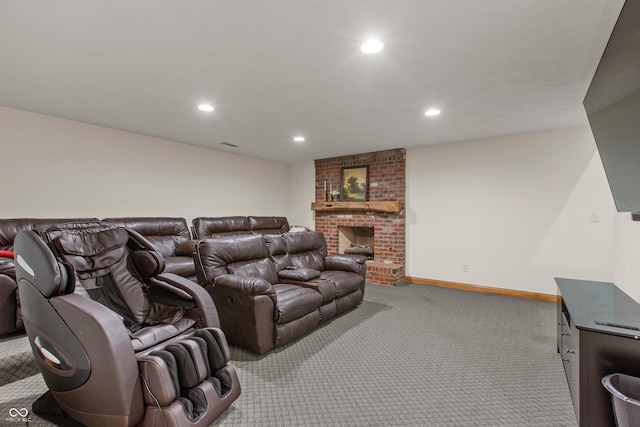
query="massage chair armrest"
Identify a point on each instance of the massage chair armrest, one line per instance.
(76, 309)
(246, 285)
(107, 344)
(187, 248)
(344, 262)
(190, 295)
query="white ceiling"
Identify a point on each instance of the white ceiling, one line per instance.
(278, 68)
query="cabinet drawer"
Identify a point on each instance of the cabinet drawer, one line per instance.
(565, 327)
(568, 350)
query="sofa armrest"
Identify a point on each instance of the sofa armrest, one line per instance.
(8, 304)
(343, 262)
(205, 310)
(246, 285)
(187, 248)
(247, 307)
(7, 266)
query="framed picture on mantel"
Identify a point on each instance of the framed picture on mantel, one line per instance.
(354, 183)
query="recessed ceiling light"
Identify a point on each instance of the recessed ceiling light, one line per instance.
(205, 107)
(371, 46)
(432, 112)
(298, 138)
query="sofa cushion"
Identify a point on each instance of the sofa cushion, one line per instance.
(215, 255)
(345, 281)
(206, 228)
(9, 228)
(186, 248)
(326, 287)
(277, 250)
(306, 249)
(261, 268)
(295, 302)
(165, 233)
(268, 224)
(180, 265)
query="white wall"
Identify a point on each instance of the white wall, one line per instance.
(517, 210)
(60, 168)
(302, 184)
(626, 268)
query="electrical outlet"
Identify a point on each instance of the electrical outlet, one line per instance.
(465, 268)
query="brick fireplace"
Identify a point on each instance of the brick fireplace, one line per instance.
(383, 211)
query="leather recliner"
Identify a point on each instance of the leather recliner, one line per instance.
(117, 341)
(213, 227)
(257, 312)
(170, 237)
(302, 258)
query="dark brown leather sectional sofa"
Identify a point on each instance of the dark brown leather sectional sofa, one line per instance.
(291, 283)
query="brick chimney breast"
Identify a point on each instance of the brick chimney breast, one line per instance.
(386, 182)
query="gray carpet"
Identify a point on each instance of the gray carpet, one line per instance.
(16, 359)
(411, 355)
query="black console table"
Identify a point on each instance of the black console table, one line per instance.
(598, 334)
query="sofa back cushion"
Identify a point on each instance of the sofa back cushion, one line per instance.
(268, 224)
(9, 228)
(262, 268)
(164, 233)
(306, 249)
(206, 228)
(277, 250)
(247, 255)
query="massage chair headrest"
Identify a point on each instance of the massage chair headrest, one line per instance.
(36, 264)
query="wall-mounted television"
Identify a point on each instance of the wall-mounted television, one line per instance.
(612, 104)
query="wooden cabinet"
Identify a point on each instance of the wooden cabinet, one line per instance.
(591, 347)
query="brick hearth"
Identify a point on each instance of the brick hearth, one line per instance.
(386, 182)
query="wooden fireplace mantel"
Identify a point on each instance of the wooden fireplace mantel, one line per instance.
(392, 206)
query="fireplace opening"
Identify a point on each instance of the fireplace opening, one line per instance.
(356, 240)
